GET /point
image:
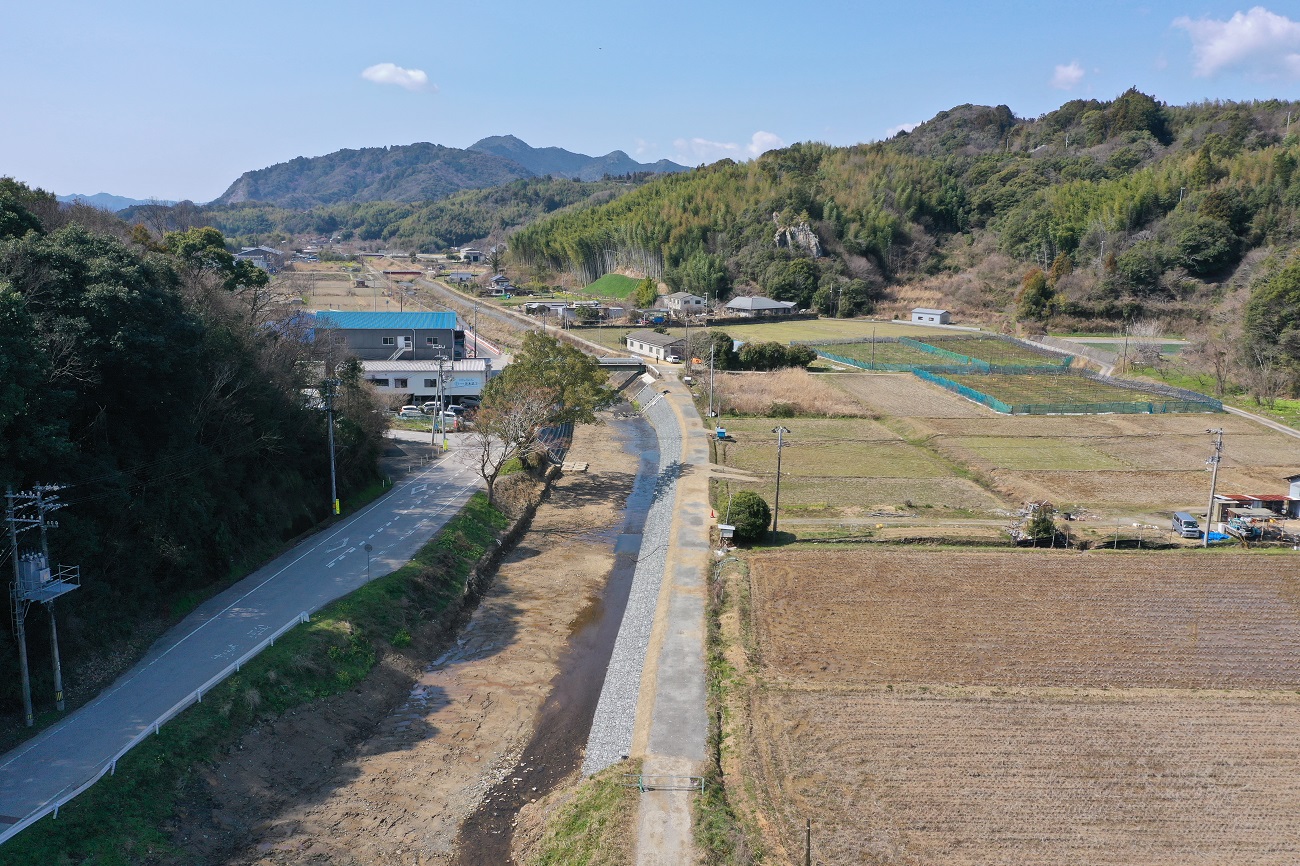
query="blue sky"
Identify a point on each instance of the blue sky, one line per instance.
(175, 100)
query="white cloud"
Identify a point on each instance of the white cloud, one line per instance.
(1260, 41)
(1067, 76)
(694, 151)
(902, 127)
(761, 142)
(391, 73)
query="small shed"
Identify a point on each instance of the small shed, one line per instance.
(924, 315)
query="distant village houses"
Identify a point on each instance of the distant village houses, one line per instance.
(268, 259)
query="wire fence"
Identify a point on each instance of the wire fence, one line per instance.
(1178, 400)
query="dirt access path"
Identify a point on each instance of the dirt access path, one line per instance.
(399, 795)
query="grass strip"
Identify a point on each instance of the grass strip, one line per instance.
(722, 836)
(597, 825)
(122, 819)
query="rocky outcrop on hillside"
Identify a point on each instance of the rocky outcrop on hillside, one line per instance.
(799, 236)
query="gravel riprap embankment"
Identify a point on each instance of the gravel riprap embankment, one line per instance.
(611, 729)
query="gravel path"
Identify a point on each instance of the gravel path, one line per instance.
(611, 729)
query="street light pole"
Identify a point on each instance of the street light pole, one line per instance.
(776, 505)
(330, 385)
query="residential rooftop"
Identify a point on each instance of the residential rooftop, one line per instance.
(361, 321)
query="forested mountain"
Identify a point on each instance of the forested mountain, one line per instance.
(412, 172)
(108, 201)
(1126, 206)
(146, 378)
(420, 172)
(565, 163)
(471, 215)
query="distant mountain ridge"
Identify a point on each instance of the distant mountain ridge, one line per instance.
(560, 162)
(108, 201)
(420, 172)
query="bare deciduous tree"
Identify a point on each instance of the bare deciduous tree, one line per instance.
(505, 428)
(1264, 374)
(1213, 351)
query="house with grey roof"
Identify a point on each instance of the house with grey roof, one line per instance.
(758, 307)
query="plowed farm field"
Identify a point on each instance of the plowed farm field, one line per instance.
(1026, 618)
(928, 780)
(1028, 707)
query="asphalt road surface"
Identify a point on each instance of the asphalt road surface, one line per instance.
(324, 567)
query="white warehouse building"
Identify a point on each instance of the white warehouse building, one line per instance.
(417, 381)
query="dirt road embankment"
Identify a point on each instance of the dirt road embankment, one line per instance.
(395, 784)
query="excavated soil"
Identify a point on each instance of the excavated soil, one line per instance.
(388, 774)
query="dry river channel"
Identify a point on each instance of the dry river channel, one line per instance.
(555, 750)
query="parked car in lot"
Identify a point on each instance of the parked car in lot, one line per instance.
(430, 407)
(410, 412)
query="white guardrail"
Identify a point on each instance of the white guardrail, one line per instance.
(110, 766)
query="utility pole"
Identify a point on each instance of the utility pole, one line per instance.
(330, 385)
(713, 351)
(19, 608)
(34, 580)
(776, 504)
(43, 505)
(807, 842)
(686, 317)
(1214, 481)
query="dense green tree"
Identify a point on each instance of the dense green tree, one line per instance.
(1272, 317)
(701, 274)
(1035, 295)
(183, 436)
(791, 280)
(1041, 526)
(545, 363)
(774, 356)
(1206, 246)
(645, 293)
(750, 514)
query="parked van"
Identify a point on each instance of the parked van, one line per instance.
(1186, 525)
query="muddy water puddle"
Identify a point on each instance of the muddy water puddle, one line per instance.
(564, 720)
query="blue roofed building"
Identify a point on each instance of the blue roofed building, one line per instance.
(415, 336)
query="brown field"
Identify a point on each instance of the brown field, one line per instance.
(755, 393)
(835, 497)
(925, 780)
(1025, 707)
(1027, 618)
(903, 395)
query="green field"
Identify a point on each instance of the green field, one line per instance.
(838, 467)
(611, 286)
(809, 330)
(994, 350)
(882, 353)
(1049, 389)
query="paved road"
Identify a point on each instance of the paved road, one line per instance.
(44, 770)
(672, 719)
